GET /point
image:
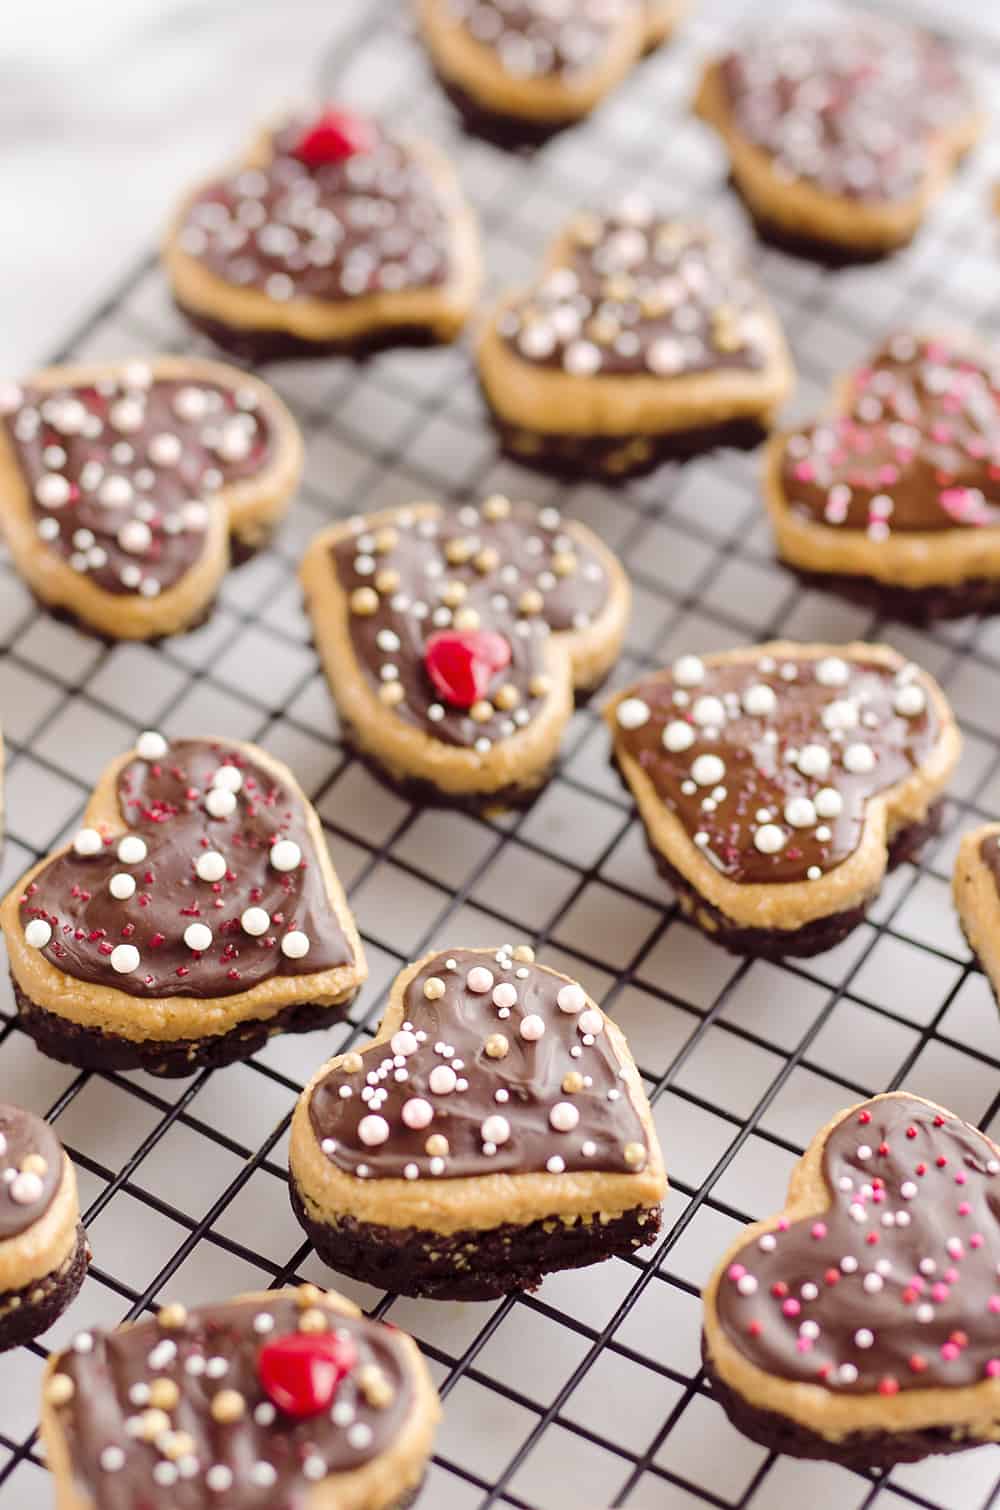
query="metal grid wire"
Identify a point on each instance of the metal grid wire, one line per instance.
(588, 1393)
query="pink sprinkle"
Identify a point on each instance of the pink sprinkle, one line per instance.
(993, 1368)
(888, 474)
(783, 1224)
(961, 1178)
(993, 1305)
(819, 1229)
(790, 1307)
(976, 1240)
(940, 1292)
(964, 1208)
(951, 1276)
(804, 471)
(736, 1272)
(804, 1344)
(950, 1352)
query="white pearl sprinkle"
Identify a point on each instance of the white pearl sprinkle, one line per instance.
(373, 1130)
(228, 778)
(688, 671)
(88, 842)
(832, 672)
(198, 937)
(708, 770)
(220, 803)
(122, 886)
(295, 944)
(564, 1116)
(479, 980)
(495, 1129)
(124, 958)
(417, 1113)
(769, 839)
(632, 713)
(800, 812)
(211, 866)
(859, 759)
(132, 850)
(828, 802)
(151, 746)
(532, 1027)
(678, 736)
(708, 711)
(572, 998)
(38, 933)
(760, 700)
(442, 1080)
(286, 855)
(814, 760)
(255, 921)
(910, 700)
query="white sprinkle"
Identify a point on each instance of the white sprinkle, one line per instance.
(255, 921)
(150, 745)
(859, 759)
(708, 770)
(88, 842)
(910, 700)
(832, 672)
(759, 700)
(295, 944)
(678, 736)
(769, 839)
(220, 802)
(228, 778)
(286, 855)
(198, 937)
(373, 1130)
(572, 998)
(828, 802)
(38, 933)
(632, 713)
(532, 1027)
(688, 671)
(211, 866)
(564, 1116)
(124, 958)
(800, 812)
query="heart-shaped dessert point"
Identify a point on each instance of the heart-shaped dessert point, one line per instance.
(333, 137)
(462, 663)
(302, 1372)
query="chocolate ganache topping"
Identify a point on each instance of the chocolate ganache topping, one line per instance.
(637, 293)
(769, 763)
(31, 1165)
(539, 38)
(174, 1413)
(512, 569)
(894, 1287)
(498, 1067)
(121, 472)
(850, 105)
(373, 220)
(917, 446)
(214, 888)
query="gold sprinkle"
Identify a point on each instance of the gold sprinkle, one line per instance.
(170, 1317)
(164, 1394)
(572, 1082)
(388, 580)
(564, 563)
(350, 1064)
(524, 954)
(459, 550)
(228, 1406)
(619, 287)
(386, 539)
(364, 601)
(653, 304)
(453, 593)
(481, 712)
(434, 988)
(310, 1295)
(540, 686)
(507, 697)
(496, 507)
(634, 1155)
(672, 237)
(466, 618)
(33, 1163)
(603, 330)
(313, 1320)
(375, 1386)
(437, 1145)
(391, 693)
(152, 1423)
(60, 1389)
(497, 1046)
(487, 560)
(531, 602)
(177, 1444)
(586, 230)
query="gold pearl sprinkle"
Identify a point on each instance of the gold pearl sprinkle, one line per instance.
(364, 601)
(524, 954)
(454, 593)
(434, 988)
(33, 1163)
(386, 539)
(458, 551)
(228, 1406)
(496, 507)
(466, 618)
(586, 230)
(352, 1063)
(603, 330)
(572, 1082)
(437, 1145)
(487, 560)
(634, 1155)
(170, 1317)
(388, 580)
(313, 1320)
(619, 287)
(308, 1295)
(152, 1423)
(653, 304)
(507, 697)
(60, 1389)
(177, 1444)
(481, 712)
(531, 602)
(164, 1394)
(540, 686)
(375, 1386)
(391, 693)
(497, 1046)
(564, 563)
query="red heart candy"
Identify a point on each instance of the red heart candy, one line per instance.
(462, 663)
(335, 136)
(302, 1372)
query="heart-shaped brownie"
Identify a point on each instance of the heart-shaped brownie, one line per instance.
(518, 70)
(897, 492)
(644, 335)
(778, 782)
(840, 131)
(332, 233)
(495, 1129)
(285, 1398)
(861, 1324)
(194, 914)
(121, 482)
(454, 638)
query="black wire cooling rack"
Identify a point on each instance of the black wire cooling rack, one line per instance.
(588, 1393)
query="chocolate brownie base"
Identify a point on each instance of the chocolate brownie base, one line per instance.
(781, 943)
(619, 456)
(255, 347)
(910, 605)
(512, 133)
(92, 1049)
(861, 1450)
(28, 1312)
(471, 1265)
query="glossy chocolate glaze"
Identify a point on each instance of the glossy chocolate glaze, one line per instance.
(827, 727)
(26, 1193)
(458, 1031)
(163, 801)
(895, 1286)
(917, 449)
(536, 39)
(850, 105)
(119, 472)
(271, 1458)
